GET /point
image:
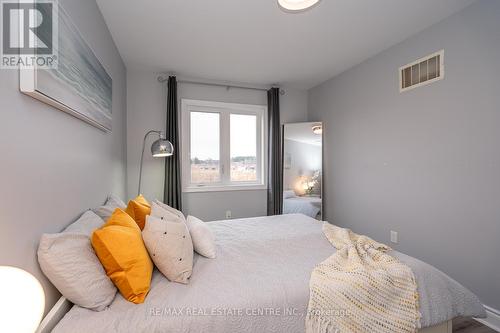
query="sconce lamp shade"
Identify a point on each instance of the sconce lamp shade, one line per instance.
(162, 148)
(22, 302)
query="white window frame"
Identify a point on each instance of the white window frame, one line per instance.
(225, 110)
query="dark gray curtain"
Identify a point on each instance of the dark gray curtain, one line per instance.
(275, 157)
(172, 192)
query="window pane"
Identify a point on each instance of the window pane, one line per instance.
(243, 148)
(205, 146)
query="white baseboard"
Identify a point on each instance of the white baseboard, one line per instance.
(493, 319)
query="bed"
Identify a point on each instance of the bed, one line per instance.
(309, 206)
(258, 283)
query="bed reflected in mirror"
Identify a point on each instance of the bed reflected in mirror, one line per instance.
(302, 169)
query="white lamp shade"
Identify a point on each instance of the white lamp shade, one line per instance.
(297, 5)
(22, 302)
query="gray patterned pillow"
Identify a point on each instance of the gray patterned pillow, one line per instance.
(69, 262)
(112, 203)
(86, 224)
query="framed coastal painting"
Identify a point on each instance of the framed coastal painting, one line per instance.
(78, 84)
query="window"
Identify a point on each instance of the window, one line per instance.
(222, 146)
(204, 146)
(243, 147)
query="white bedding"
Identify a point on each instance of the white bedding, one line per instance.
(262, 269)
(309, 206)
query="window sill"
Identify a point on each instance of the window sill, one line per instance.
(224, 188)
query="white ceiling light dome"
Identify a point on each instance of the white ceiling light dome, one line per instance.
(317, 129)
(297, 5)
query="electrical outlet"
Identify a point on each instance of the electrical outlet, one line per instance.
(228, 214)
(394, 237)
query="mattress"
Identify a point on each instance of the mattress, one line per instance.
(258, 283)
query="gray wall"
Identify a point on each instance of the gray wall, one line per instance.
(54, 166)
(146, 110)
(425, 163)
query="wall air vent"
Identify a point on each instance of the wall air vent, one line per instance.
(421, 72)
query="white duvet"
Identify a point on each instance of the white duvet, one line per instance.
(259, 282)
(309, 206)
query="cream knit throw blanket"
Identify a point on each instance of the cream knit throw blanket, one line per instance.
(360, 289)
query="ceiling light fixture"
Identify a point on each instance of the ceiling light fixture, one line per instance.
(297, 5)
(317, 129)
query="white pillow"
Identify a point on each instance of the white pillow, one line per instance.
(112, 203)
(170, 247)
(288, 194)
(70, 263)
(203, 237)
(170, 209)
(86, 224)
(162, 213)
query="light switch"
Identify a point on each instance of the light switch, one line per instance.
(394, 237)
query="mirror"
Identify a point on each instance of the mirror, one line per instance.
(303, 169)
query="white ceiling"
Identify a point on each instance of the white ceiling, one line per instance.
(302, 132)
(253, 41)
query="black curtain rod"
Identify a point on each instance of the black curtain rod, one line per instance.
(163, 79)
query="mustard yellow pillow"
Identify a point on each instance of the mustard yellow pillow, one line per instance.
(138, 209)
(121, 251)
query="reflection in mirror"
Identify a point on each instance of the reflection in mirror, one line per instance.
(302, 169)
